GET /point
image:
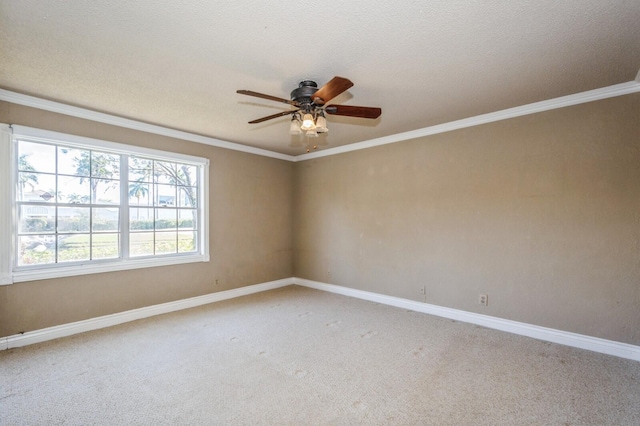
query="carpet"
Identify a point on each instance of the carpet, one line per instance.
(294, 356)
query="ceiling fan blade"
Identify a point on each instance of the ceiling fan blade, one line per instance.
(280, 114)
(263, 96)
(330, 90)
(353, 111)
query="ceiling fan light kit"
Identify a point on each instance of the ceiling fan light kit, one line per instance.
(309, 101)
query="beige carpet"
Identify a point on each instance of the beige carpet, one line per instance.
(297, 356)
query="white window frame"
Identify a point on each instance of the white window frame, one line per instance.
(9, 273)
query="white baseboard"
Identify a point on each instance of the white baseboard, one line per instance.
(622, 350)
(609, 347)
(64, 330)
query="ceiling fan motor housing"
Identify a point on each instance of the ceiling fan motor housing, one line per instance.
(302, 95)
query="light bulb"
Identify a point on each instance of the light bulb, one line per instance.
(307, 122)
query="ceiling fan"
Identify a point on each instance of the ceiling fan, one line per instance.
(309, 103)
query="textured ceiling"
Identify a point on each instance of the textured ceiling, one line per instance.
(178, 63)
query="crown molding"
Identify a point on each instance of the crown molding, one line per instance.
(550, 104)
(505, 114)
(34, 102)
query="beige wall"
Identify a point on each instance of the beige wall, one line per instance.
(541, 212)
(250, 235)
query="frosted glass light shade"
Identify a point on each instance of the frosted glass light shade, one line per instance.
(294, 128)
(311, 133)
(321, 125)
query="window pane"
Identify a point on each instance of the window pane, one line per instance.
(186, 242)
(166, 195)
(105, 165)
(73, 219)
(36, 250)
(140, 218)
(36, 157)
(36, 219)
(187, 219)
(166, 218)
(165, 172)
(73, 247)
(187, 196)
(140, 169)
(140, 194)
(105, 246)
(72, 161)
(82, 163)
(28, 182)
(105, 219)
(141, 244)
(188, 175)
(105, 191)
(73, 190)
(166, 242)
(37, 187)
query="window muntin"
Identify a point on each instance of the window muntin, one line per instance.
(80, 204)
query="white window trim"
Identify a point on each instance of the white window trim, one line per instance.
(6, 205)
(8, 136)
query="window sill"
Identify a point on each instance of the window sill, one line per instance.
(97, 268)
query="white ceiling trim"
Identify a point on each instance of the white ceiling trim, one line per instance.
(551, 104)
(561, 102)
(32, 101)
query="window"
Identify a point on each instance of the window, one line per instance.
(83, 205)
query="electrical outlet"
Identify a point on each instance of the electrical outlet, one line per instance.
(217, 282)
(328, 273)
(484, 299)
(423, 291)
